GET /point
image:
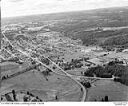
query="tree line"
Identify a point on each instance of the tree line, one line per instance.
(118, 70)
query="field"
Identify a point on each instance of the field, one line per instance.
(33, 81)
(114, 90)
(11, 68)
(75, 41)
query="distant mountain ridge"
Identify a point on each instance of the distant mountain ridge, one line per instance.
(59, 16)
(75, 25)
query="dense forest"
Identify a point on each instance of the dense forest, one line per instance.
(112, 68)
(117, 40)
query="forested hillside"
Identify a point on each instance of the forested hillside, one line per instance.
(106, 27)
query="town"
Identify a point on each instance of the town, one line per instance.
(39, 64)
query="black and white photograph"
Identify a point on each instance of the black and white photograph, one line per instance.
(64, 51)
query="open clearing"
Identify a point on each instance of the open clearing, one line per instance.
(11, 67)
(35, 82)
(114, 90)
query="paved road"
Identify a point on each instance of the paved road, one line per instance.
(65, 73)
(73, 77)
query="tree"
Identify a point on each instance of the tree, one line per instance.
(25, 99)
(106, 98)
(8, 97)
(3, 77)
(14, 95)
(54, 67)
(33, 62)
(102, 99)
(56, 97)
(28, 93)
(46, 72)
(86, 84)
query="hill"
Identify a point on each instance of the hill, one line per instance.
(93, 27)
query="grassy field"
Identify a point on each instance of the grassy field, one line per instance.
(114, 90)
(65, 88)
(8, 66)
(76, 71)
(11, 67)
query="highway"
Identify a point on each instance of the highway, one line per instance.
(73, 77)
(65, 73)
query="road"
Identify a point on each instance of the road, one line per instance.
(65, 73)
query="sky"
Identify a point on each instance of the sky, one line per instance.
(11, 8)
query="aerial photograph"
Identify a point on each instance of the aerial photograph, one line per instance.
(64, 51)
